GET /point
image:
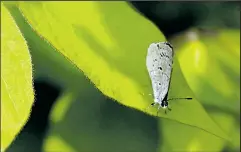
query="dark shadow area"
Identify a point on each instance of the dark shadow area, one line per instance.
(30, 139)
(175, 17)
(170, 23)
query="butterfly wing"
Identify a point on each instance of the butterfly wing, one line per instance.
(159, 62)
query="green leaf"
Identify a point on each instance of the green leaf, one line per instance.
(17, 93)
(179, 137)
(211, 67)
(89, 42)
(55, 66)
(189, 112)
(112, 53)
(48, 63)
(210, 61)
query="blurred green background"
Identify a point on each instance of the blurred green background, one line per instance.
(71, 114)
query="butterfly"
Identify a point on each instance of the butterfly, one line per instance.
(159, 63)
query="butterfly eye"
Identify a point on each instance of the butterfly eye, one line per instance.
(166, 103)
(162, 104)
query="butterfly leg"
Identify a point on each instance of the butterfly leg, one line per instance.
(152, 104)
(158, 110)
(168, 109)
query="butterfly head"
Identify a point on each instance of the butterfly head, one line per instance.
(164, 104)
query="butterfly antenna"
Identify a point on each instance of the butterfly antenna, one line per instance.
(179, 99)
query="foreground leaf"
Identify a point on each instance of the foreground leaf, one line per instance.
(16, 80)
(100, 44)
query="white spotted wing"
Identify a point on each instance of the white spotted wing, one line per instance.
(159, 62)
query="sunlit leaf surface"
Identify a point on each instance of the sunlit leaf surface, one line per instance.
(17, 93)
